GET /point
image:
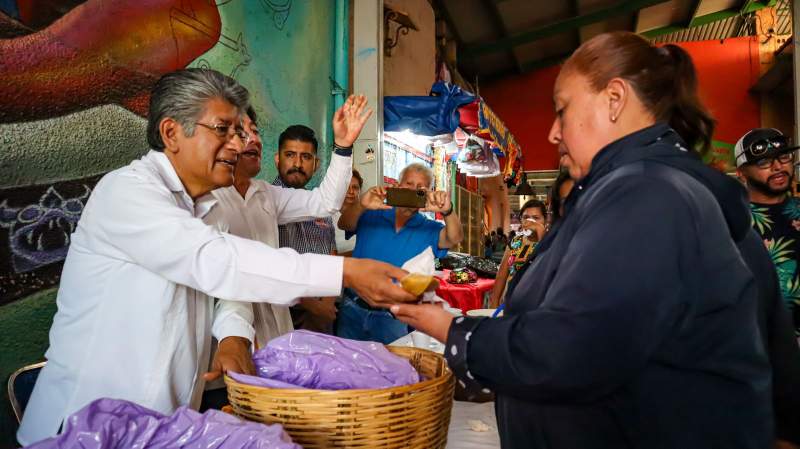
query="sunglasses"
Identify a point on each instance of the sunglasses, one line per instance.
(760, 147)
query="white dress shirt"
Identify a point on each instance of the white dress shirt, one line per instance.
(135, 314)
(258, 215)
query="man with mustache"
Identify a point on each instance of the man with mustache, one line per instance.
(765, 161)
(297, 161)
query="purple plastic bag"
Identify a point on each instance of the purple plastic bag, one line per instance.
(304, 359)
(112, 423)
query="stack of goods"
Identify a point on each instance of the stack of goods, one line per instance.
(484, 267)
(328, 392)
(453, 261)
(114, 423)
(476, 159)
(305, 359)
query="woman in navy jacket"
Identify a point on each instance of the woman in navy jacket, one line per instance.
(635, 326)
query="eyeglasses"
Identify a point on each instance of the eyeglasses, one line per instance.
(767, 162)
(224, 131)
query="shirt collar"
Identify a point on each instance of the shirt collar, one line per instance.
(166, 171)
(169, 176)
(389, 215)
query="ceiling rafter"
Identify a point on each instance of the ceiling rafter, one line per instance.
(561, 26)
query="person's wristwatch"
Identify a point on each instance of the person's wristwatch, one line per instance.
(447, 214)
(343, 151)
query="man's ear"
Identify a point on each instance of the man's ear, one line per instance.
(170, 131)
(316, 164)
(277, 159)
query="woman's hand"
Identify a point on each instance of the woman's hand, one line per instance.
(536, 226)
(427, 318)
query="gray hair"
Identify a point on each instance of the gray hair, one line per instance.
(419, 168)
(182, 96)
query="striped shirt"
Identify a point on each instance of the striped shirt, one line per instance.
(312, 236)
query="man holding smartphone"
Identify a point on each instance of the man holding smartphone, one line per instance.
(394, 235)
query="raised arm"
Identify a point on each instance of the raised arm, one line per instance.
(372, 199)
(325, 200)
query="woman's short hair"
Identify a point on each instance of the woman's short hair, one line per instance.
(358, 177)
(534, 203)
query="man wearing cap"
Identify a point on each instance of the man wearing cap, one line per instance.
(765, 161)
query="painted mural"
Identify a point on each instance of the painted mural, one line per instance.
(76, 81)
(75, 77)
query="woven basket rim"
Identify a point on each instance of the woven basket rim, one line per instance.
(443, 378)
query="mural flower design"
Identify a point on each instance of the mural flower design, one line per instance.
(39, 234)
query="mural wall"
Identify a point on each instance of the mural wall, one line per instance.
(73, 100)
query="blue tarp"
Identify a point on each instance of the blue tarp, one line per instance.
(426, 116)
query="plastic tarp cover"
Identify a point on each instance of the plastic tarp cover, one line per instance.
(426, 116)
(304, 359)
(113, 423)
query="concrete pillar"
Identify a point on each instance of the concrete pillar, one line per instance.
(368, 80)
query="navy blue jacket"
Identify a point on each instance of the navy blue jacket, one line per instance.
(635, 325)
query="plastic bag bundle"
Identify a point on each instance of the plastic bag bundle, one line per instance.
(307, 359)
(113, 423)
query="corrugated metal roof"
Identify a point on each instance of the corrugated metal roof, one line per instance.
(735, 26)
(784, 12)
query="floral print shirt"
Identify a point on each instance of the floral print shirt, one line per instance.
(779, 227)
(520, 250)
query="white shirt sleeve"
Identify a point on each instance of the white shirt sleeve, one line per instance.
(233, 319)
(140, 221)
(300, 204)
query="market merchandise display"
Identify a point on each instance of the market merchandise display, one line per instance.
(305, 359)
(414, 416)
(462, 276)
(117, 424)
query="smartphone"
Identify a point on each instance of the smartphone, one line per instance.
(406, 198)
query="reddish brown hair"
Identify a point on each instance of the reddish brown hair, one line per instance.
(663, 78)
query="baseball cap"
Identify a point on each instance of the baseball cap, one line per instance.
(761, 143)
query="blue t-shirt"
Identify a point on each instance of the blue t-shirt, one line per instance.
(378, 240)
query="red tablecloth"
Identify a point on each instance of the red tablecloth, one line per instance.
(464, 296)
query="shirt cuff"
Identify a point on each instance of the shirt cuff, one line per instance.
(328, 272)
(343, 151)
(233, 326)
(455, 352)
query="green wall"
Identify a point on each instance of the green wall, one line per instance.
(73, 101)
(24, 326)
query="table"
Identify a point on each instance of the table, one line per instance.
(464, 296)
(459, 435)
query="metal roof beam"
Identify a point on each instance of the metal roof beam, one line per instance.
(558, 27)
(749, 7)
(500, 26)
(695, 9)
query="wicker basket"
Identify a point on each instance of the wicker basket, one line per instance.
(411, 416)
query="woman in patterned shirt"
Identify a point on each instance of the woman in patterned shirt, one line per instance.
(532, 229)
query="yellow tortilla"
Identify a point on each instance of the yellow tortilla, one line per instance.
(416, 283)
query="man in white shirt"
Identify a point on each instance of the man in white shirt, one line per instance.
(254, 208)
(135, 309)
